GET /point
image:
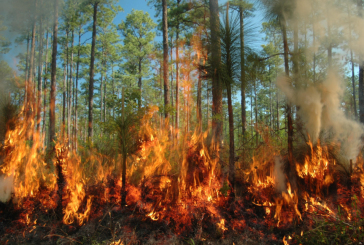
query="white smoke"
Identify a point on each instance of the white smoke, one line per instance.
(278, 173)
(6, 187)
(319, 110)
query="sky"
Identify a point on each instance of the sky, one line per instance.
(128, 6)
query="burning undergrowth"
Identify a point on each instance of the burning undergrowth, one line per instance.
(175, 195)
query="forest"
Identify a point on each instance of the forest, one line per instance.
(181, 122)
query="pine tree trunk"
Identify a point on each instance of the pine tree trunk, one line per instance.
(256, 113)
(123, 177)
(27, 70)
(177, 79)
(52, 104)
(113, 89)
(105, 98)
(30, 96)
(64, 96)
(40, 73)
(91, 84)
(165, 58)
(208, 105)
(243, 82)
(45, 94)
(217, 123)
(230, 110)
(76, 95)
(101, 92)
(70, 83)
(231, 145)
(140, 82)
(199, 103)
(171, 89)
(288, 106)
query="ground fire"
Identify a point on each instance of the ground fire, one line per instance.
(208, 137)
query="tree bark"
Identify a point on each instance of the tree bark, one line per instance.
(256, 113)
(64, 90)
(288, 106)
(76, 95)
(45, 93)
(217, 120)
(91, 84)
(27, 70)
(177, 78)
(230, 109)
(40, 73)
(123, 177)
(105, 98)
(165, 58)
(140, 82)
(101, 91)
(31, 65)
(199, 103)
(70, 83)
(52, 104)
(243, 81)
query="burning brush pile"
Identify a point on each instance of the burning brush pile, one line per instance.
(180, 194)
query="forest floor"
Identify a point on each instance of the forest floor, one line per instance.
(245, 223)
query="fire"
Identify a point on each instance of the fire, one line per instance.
(119, 242)
(183, 185)
(221, 225)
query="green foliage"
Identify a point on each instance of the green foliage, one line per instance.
(225, 188)
(138, 33)
(336, 231)
(4, 43)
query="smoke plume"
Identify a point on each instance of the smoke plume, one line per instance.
(6, 187)
(319, 110)
(279, 176)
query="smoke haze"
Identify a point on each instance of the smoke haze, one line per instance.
(6, 187)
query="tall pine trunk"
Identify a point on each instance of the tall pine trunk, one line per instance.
(199, 103)
(76, 94)
(52, 103)
(165, 58)
(124, 152)
(27, 70)
(92, 71)
(69, 97)
(217, 123)
(64, 94)
(242, 70)
(40, 73)
(45, 92)
(101, 90)
(229, 81)
(177, 79)
(288, 106)
(31, 65)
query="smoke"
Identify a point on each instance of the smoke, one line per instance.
(6, 187)
(325, 23)
(325, 26)
(320, 110)
(279, 176)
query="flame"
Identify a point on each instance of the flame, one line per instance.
(221, 225)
